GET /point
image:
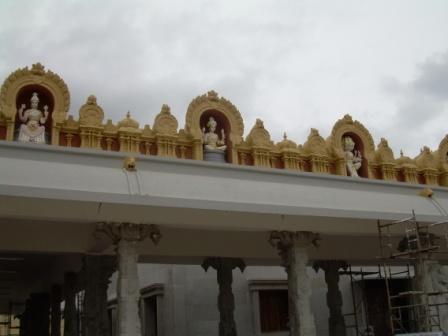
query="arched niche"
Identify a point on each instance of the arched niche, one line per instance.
(211, 103)
(45, 98)
(363, 142)
(48, 83)
(222, 123)
(443, 152)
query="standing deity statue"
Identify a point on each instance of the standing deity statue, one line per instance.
(32, 128)
(353, 157)
(211, 139)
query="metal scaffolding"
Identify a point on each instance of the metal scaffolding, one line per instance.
(418, 308)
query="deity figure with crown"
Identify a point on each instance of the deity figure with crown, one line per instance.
(32, 128)
(353, 158)
(214, 147)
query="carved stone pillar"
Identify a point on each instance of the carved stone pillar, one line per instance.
(331, 268)
(96, 273)
(126, 236)
(292, 248)
(56, 298)
(70, 314)
(226, 301)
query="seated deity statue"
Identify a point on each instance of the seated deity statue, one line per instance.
(211, 139)
(353, 157)
(32, 128)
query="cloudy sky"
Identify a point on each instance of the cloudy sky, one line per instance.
(295, 64)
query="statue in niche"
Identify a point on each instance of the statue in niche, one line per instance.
(211, 139)
(353, 157)
(214, 148)
(32, 128)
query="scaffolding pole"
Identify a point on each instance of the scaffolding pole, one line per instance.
(417, 246)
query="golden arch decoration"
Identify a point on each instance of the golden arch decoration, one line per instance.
(46, 79)
(207, 102)
(348, 126)
(443, 151)
(443, 161)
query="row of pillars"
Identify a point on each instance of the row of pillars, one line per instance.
(94, 279)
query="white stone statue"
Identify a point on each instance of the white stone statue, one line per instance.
(32, 128)
(211, 139)
(353, 157)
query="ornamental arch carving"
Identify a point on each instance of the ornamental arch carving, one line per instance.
(211, 104)
(443, 152)
(51, 89)
(348, 150)
(347, 127)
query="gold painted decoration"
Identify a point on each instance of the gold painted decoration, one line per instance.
(384, 153)
(211, 101)
(316, 152)
(259, 136)
(347, 125)
(91, 114)
(128, 124)
(427, 166)
(110, 128)
(130, 164)
(165, 123)
(315, 144)
(70, 124)
(349, 150)
(34, 78)
(426, 159)
(286, 144)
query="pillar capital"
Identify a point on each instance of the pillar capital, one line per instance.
(132, 232)
(226, 300)
(286, 241)
(220, 263)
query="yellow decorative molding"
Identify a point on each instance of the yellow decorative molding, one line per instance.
(128, 124)
(164, 139)
(290, 154)
(212, 102)
(37, 76)
(91, 114)
(316, 152)
(427, 166)
(353, 128)
(130, 164)
(259, 136)
(165, 123)
(407, 168)
(385, 161)
(260, 142)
